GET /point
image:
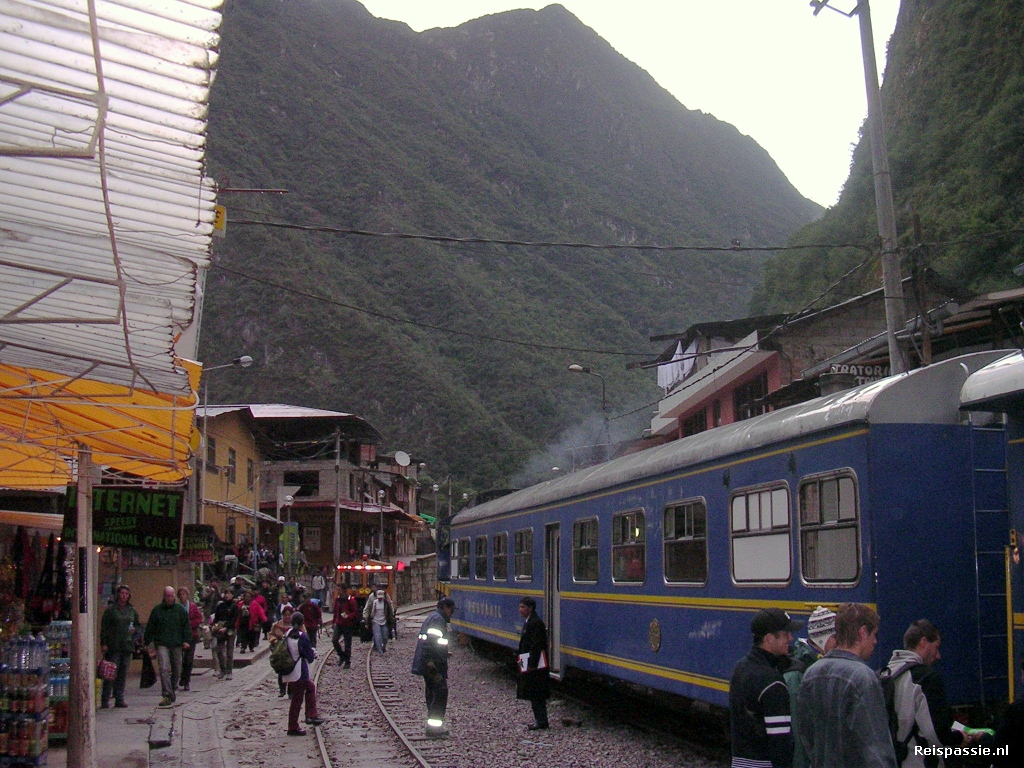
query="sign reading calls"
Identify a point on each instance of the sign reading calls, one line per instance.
(146, 519)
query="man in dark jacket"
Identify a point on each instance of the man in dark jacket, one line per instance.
(117, 633)
(759, 715)
(346, 618)
(168, 629)
(430, 660)
(534, 683)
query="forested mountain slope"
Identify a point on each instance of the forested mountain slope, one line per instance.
(953, 100)
(523, 126)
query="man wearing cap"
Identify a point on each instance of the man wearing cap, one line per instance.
(430, 661)
(759, 715)
(843, 721)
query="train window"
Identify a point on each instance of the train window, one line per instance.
(463, 558)
(760, 534)
(686, 542)
(524, 555)
(629, 537)
(829, 544)
(480, 561)
(584, 550)
(499, 543)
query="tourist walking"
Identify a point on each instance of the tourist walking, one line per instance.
(300, 683)
(117, 641)
(168, 631)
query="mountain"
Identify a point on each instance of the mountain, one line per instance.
(953, 105)
(522, 127)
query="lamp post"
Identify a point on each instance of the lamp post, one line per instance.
(604, 402)
(287, 504)
(380, 503)
(242, 362)
(885, 209)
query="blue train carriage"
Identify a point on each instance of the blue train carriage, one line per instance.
(649, 567)
(998, 388)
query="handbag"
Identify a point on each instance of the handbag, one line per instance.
(106, 670)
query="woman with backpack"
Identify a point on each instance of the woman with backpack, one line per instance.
(277, 633)
(300, 683)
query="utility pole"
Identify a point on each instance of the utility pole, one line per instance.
(885, 210)
(337, 496)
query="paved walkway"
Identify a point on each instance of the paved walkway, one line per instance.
(199, 720)
(195, 721)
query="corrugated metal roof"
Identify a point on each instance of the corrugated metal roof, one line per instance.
(105, 214)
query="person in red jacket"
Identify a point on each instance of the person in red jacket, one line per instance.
(250, 621)
(346, 619)
(314, 617)
(195, 619)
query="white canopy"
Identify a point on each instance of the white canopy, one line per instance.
(105, 214)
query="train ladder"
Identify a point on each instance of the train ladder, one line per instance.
(991, 523)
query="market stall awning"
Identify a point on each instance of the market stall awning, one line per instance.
(45, 417)
(105, 225)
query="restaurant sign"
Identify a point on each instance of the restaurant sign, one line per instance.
(133, 517)
(198, 544)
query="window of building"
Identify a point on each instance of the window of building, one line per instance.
(523, 554)
(211, 453)
(499, 543)
(480, 559)
(748, 399)
(229, 531)
(584, 550)
(696, 422)
(629, 537)
(250, 474)
(760, 534)
(829, 537)
(716, 413)
(308, 482)
(232, 466)
(686, 542)
(462, 558)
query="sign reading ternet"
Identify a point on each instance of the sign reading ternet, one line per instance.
(147, 519)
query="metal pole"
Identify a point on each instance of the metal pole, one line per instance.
(337, 496)
(201, 506)
(892, 285)
(82, 705)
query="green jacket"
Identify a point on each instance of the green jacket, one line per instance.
(168, 625)
(118, 626)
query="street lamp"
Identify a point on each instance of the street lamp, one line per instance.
(604, 402)
(242, 362)
(380, 503)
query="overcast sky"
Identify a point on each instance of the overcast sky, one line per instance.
(791, 80)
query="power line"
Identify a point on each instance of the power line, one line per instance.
(544, 244)
(418, 324)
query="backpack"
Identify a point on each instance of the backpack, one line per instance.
(281, 660)
(888, 679)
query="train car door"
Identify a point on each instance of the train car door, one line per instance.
(552, 605)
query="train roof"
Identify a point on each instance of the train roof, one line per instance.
(926, 396)
(999, 386)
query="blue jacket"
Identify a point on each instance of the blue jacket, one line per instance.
(432, 645)
(843, 721)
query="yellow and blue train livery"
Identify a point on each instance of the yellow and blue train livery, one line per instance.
(649, 567)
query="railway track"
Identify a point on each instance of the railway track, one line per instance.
(405, 723)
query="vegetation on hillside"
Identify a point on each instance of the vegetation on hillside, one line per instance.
(523, 126)
(953, 100)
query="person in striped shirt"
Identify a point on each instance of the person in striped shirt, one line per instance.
(759, 715)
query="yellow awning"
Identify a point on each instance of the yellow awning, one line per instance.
(45, 417)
